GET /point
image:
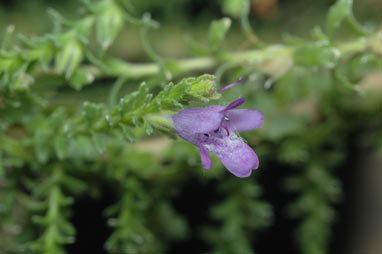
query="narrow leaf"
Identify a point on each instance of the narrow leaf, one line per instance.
(217, 32)
(337, 13)
(98, 142)
(128, 133)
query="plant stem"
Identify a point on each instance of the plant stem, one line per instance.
(254, 58)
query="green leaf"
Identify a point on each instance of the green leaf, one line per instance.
(355, 26)
(157, 101)
(344, 81)
(127, 133)
(172, 224)
(93, 112)
(41, 149)
(57, 17)
(126, 103)
(179, 90)
(134, 118)
(217, 32)
(7, 37)
(141, 96)
(235, 8)
(45, 55)
(21, 81)
(83, 27)
(10, 63)
(82, 147)
(171, 104)
(316, 55)
(196, 48)
(61, 146)
(73, 184)
(98, 141)
(294, 40)
(319, 35)
(147, 127)
(337, 13)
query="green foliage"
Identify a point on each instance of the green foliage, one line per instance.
(56, 136)
(235, 8)
(319, 189)
(57, 229)
(240, 214)
(337, 13)
(130, 234)
(109, 23)
(315, 56)
(342, 11)
(217, 32)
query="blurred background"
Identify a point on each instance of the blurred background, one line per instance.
(314, 135)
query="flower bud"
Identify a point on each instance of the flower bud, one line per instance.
(69, 57)
(80, 78)
(203, 88)
(109, 23)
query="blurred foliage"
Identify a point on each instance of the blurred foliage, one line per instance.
(56, 133)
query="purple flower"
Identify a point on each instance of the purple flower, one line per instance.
(214, 129)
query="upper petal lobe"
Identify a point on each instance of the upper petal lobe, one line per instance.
(191, 122)
(245, 119)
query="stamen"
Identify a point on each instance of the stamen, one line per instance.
(230, 85)
(234, 104)
(226, 129)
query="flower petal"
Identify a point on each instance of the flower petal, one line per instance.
(190, 122)
(205, 157)
(235, 154)
(245, 119)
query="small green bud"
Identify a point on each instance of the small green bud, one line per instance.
(109, 24)
(69, 57)
(80, 78)
(203, 88)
